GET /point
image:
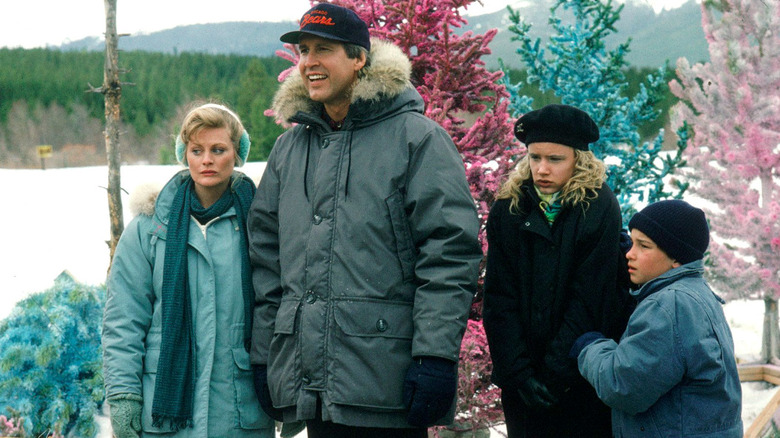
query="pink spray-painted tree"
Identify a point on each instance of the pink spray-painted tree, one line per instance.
(470, 102)
(449, 73)
(733, 106)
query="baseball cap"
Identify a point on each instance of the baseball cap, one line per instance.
(331, 22)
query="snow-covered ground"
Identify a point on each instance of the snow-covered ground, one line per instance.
(57, 219)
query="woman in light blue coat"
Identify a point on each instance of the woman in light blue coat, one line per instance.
(673, 373)
(177, 321)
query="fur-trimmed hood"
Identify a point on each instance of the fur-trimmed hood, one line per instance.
(387, 77)
(143, 198)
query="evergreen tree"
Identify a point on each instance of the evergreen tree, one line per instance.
(733, 106)
(252, 102)
(44, 89)
(581, 72)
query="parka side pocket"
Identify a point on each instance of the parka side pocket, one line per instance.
(404, 245)
(149, 381)
(247, 407)
(283, 358)
(370, 353)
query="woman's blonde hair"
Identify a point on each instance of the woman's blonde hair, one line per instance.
(589, 175)
(213, 115)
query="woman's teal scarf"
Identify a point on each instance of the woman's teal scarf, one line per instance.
(175, 385)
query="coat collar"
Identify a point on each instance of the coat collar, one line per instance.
(387, 78)
(155, 201)
(692, 269)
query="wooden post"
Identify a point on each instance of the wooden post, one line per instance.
(112, 90)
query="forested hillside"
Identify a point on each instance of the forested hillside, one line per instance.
(656, 38)
(45, 100)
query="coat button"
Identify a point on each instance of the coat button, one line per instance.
(325, 143)
(311, 297)
(381, 325)
(527, 224)
(317, 219)
(306, 380)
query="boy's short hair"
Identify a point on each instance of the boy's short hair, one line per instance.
(677, 227)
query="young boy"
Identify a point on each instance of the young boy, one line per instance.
(673, 373)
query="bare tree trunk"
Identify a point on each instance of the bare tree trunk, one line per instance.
(112, 90)
(770, 339)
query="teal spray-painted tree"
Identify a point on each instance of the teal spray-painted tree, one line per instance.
(581, 72)
(51, 380)
(449, 74)
(733, 106)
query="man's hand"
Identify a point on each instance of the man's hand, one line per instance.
(429, 389)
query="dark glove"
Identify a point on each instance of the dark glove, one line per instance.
(260, 378)
(126, 415)
(535, 394)
(583, 341)
(625, 242)
(429, 389)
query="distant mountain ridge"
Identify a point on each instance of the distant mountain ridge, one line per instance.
(655, 38)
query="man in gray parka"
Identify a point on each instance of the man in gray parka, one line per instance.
(363, 241)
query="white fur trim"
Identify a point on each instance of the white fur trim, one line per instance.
(388, 75)
(143, 197)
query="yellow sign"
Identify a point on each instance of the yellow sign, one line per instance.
(44, 151)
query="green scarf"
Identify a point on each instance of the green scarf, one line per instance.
(550, 205)
(176, 370)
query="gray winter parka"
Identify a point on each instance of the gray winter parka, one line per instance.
(364, 249)
(225, 404)
(674, 372)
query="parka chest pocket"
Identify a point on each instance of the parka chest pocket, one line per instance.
(371, 351)
(404, 245)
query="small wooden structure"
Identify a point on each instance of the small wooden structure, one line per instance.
(757, 373)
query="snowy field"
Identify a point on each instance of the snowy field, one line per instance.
(57, 220)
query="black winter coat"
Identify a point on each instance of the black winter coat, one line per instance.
(545, 286)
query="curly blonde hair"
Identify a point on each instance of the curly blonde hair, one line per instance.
(589, 175)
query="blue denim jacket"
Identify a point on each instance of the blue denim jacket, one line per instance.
(674, 372)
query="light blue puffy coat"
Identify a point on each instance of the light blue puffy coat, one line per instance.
(674, 373)
(225, 402)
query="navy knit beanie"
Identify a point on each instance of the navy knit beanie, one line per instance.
(677, 227)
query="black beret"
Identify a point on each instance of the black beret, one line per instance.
(555, 123)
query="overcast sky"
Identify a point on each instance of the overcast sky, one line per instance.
(37, 23)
